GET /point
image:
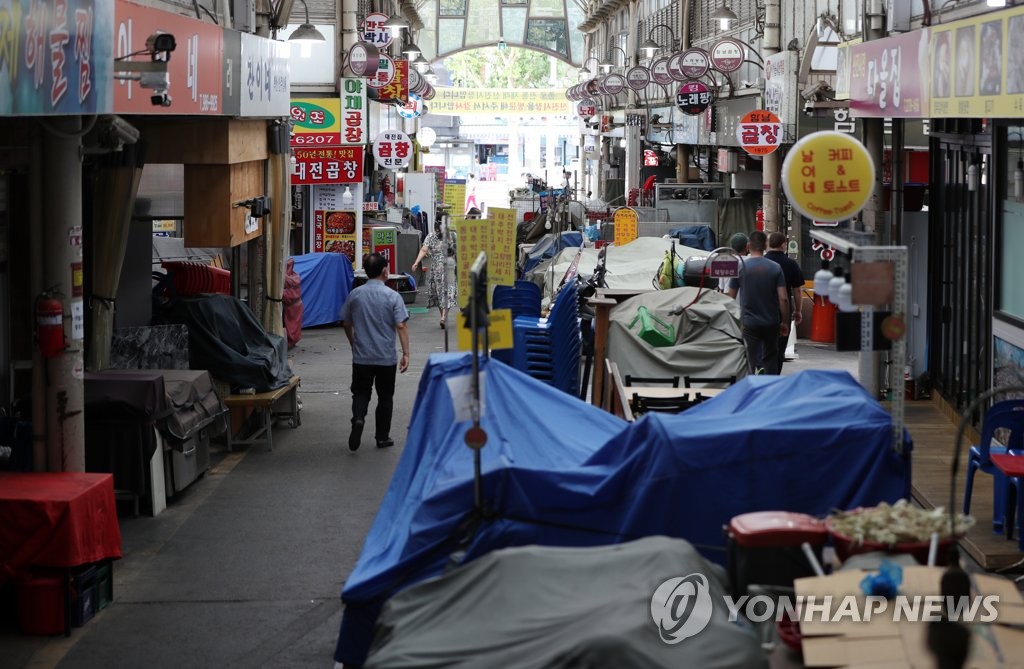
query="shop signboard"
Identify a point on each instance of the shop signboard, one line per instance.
(262, 77)
(413, 108)
(586, 108)
(675, 67)
(501, 258)
(195, 67)
(727, 55)
(375, 32)
(385, 72)
(363, 58)
(396, 90)
(335, 232)
(780, 93)
(439, 172)
(637, 78)
(695, 63)
(454, 101)
(694, 97)
(327, 165)
(316, 121)
(384, 240)
(353, 108)
(613, 83)
(887, 77)
(392, 149)
(828, 176)
(56, 57)
(473, 238)
(977, 66)
(660, 73)
(759, 132)
(625, 220)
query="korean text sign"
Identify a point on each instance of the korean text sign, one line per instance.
(625, 220)
(196, 66)
(316, 121)
(56, 57)
(392, 149)
(353, 111)
(336, 165)
(759, 132)
(828, 176)
(886, 77)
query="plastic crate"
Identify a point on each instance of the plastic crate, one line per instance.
(653, 330)
(83, 596)
(104, 585)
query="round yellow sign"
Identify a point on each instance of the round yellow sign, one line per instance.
(828, 176)
(625, 220)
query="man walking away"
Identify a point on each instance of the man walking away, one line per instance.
(371, 316)
(794, 277)
(764, 306)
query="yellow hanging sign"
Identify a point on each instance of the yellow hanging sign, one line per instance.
(501, 258)
(828, 176)
(499, 331)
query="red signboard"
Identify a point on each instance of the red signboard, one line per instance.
(195, 67)
(650, 158)
(886, 76)
(759, 132)
(392, 149)
(341, 165)
(398, 88)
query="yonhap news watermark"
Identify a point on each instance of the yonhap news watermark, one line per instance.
(682, 607)
(854, 608)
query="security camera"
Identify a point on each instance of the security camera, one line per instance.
(161, 43)
(160, 99)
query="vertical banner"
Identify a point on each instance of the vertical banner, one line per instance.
(439, 172)
(337, 225)
(501, 258)
(384, 240)
(353, 111)
(472, 237)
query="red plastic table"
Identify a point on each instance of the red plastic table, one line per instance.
(61, 520)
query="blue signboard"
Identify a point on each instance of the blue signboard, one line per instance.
(56, 57)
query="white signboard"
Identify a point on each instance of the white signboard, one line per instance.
(685, 128)
(353, 111)
(392, 149)
(264, 85)
(374, 31)
(779, 93)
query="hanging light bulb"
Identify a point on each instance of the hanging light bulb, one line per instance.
(346, 197)
(622, 142)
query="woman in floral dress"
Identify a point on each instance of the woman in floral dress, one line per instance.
(442, 289)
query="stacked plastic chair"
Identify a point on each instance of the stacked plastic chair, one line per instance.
(524, 300)
(194, 278)
(548, 349)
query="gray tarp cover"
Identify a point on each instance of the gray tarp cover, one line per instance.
(539, 606)
(709, 341)
(633, 265)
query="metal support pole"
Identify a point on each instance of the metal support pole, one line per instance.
(770, 165)
(874, 214)
(62, 218)
(35, 185)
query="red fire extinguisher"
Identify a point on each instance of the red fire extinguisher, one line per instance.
(759, 219)
(50, 326)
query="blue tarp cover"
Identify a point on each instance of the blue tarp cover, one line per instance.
(326, 282)
(560, 472)
(548, 246)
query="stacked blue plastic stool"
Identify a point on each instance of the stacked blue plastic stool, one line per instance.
(549, 349)
(523, 299)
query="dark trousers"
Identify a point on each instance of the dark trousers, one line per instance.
(364, 379)
(762, 344)
(783, 343)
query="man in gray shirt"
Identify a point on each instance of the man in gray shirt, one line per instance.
(372, 315)
(764, 306)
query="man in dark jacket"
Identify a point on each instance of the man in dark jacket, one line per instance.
(794, 286)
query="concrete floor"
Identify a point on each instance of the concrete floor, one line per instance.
(246, 567)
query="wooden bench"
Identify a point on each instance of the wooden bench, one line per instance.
(264, 406)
